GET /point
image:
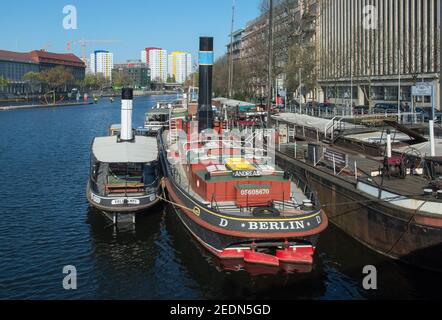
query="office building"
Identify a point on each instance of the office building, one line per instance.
(373, 48)
(137, 73)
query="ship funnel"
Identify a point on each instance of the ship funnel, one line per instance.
(205, 112)
(126, 114)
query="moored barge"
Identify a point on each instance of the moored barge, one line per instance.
(375, 184)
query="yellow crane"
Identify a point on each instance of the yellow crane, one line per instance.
(84, 43)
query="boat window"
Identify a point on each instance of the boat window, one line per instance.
(122, 173)
(150, 174)
(125, 178)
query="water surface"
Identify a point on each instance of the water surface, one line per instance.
(46, 224)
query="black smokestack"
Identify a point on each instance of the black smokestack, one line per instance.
(205, 112)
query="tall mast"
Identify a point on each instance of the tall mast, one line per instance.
(231, 51)
(270, 57)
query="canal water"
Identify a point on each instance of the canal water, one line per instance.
(46, 224)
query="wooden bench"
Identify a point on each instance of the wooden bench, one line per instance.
(123, 188)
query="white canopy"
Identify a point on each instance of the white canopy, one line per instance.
(142, 150)
(304, 120)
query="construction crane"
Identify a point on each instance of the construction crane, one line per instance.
(84, 43)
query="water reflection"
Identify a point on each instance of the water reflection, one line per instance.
(137, 262)
(159, 259)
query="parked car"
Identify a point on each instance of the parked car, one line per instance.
(327, 106)
(311, 105)
(293, 104)
(386, 108)
(361, 110)
(425, 112)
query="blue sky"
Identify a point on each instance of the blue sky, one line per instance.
(172, 24)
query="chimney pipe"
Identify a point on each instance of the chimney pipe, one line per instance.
(205, 112)
(126, 114)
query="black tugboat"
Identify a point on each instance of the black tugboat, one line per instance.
(124, 177)
(227, 194)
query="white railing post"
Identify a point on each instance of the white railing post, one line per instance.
(356, 170)
(314, 156)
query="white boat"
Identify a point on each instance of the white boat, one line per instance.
(124, 174)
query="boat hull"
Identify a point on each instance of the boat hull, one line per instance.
(392, 231)
(134, 205)
(231, 244)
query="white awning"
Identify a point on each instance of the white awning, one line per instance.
(142, 150)
(319, 124)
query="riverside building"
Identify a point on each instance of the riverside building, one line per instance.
(375, 51)
(14, 65)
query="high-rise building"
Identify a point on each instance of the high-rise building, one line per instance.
(102, 62)
(156, 59)
(145, 54)
(180, 66)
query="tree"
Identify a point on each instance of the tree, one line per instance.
(243, 88)
(57, 78)
(95, 82)
(102, 81)
(120, 79)
(89, 82)
(220, 76)
(4, 82)
(171, 79)
(192, 80)
(33, 79)
(301, 63)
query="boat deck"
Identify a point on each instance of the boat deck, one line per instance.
(368, 167)
(292, 207)
(394, 184)
(287, 208)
